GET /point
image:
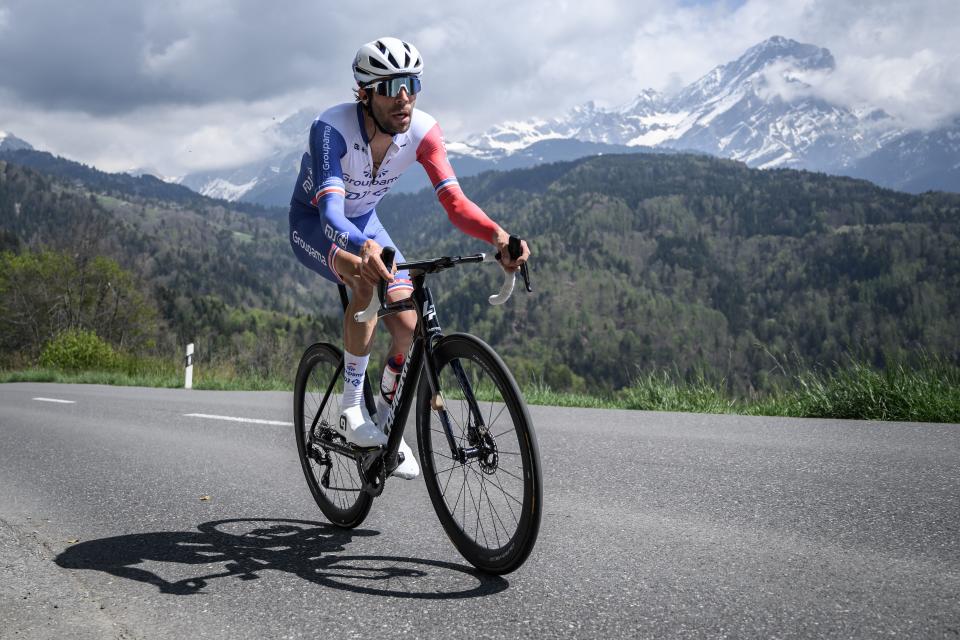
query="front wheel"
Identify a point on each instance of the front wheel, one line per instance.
(333, 478)
(488, 491)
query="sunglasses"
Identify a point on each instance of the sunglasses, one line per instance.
(390, 87)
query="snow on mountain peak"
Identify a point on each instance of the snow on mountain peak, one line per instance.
(778, 47)
(786, 58)
(647, 101)
(10, 142)
(761, 108)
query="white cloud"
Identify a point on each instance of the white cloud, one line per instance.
(169, 140)
(192, 85)
(902, 56)
(922, 89)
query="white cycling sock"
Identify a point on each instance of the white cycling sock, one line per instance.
(354, 369)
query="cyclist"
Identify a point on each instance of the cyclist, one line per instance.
(356, 152)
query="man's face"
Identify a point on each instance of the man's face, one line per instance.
(393, 114)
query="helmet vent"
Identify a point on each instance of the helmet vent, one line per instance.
(383, 58)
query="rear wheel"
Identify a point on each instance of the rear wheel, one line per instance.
(333, 478)
(490, 502)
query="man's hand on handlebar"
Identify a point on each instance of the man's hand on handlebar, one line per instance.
(372, 269)
(509, 260)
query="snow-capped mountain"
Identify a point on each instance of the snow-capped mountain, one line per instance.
(261, 181)
(587, 122)
(762, 109)
(10, 142)
(916, 161)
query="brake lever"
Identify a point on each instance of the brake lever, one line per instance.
(515, 250)
(387, 255)
(526, 277)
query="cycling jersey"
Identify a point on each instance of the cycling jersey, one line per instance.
(336, 182)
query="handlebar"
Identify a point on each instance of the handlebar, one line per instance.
(433, 266)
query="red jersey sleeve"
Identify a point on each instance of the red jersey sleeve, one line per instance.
(463, 213)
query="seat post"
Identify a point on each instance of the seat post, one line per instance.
(343, 295)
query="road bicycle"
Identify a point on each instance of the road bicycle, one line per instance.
(477, 447)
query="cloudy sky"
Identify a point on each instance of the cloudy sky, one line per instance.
(186, 85)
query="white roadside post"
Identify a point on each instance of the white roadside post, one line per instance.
(188, 383)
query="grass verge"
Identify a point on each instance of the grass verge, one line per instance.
(929, 393)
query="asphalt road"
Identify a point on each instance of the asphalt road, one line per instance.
(655, 525)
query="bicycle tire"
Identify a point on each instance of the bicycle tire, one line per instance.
(342, 502)
(479, 484)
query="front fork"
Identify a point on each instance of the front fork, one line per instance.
(476, 430)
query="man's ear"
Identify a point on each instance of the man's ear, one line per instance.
(362, 94)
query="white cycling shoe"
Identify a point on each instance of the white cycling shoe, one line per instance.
(408, 469)
(358, 429)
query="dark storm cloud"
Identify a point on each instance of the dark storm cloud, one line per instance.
(107, 56)
(184, 85)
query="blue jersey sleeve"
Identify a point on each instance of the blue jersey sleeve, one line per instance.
(327, 146)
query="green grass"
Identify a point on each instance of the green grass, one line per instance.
(927, 393)
(931, 394)
(210, 382)
(116, 378)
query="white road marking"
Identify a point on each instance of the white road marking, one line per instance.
(55, 400)
(233, 419)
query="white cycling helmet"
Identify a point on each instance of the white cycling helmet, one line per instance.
(386, 57)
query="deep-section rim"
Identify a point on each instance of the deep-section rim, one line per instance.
(355, 514)
(512, 554)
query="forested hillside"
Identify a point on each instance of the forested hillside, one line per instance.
(641, 263)
(687, 262)
(223, 278)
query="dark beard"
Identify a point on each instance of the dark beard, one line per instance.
(380, 126)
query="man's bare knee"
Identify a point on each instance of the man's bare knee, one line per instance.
(360, 293)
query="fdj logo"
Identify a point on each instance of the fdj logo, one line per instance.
(340, 238)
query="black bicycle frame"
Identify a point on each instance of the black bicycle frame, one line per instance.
(420, 360)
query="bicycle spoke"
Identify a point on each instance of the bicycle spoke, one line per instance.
(495, 515)
(450, 477)
(459, 493)
(482, 511)
(492, 422)
(502, 433)
(508, 494)
(464, 502)
(479, 527)
(512, 475)
(447, 470)
(342, 500)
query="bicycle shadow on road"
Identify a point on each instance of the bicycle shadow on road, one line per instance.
(243, 548)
